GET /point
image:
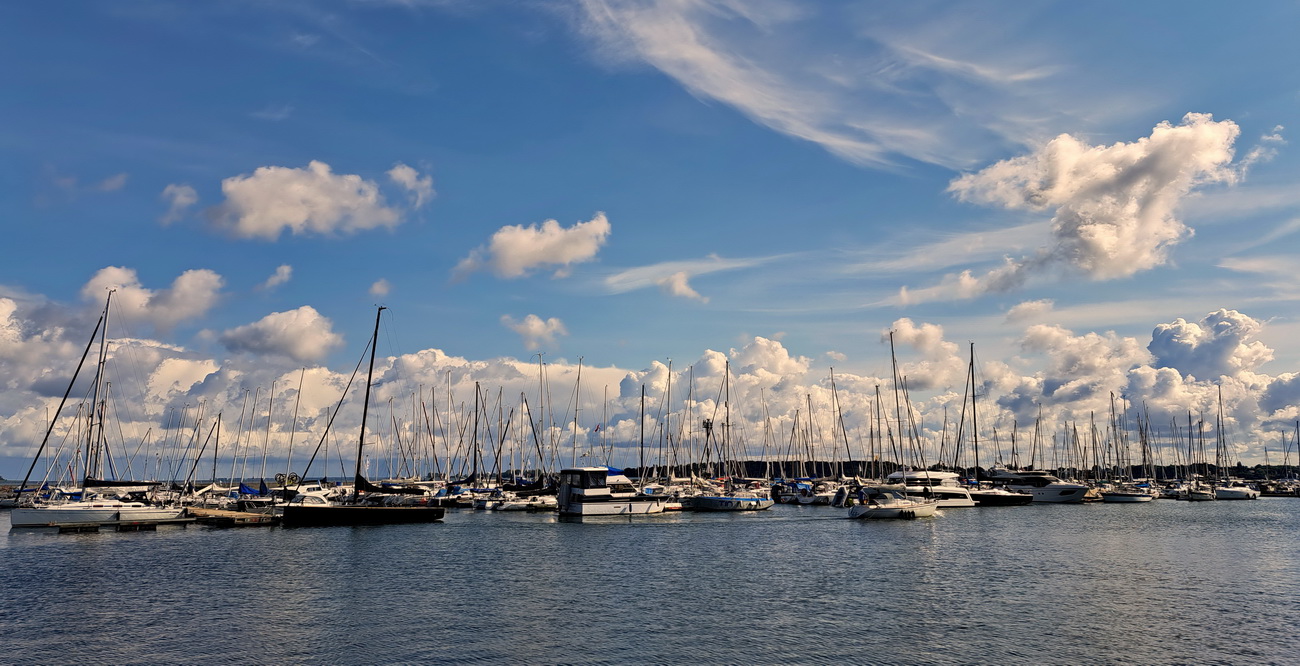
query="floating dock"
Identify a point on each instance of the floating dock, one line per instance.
(116, 525)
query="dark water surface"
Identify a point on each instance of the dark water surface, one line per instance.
(1162, 582)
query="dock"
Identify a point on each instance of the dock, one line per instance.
(118, 525)
(223, 518)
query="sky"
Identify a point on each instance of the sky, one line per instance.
(565, 202)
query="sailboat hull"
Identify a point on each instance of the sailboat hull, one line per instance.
(338, 516)
(87, 513)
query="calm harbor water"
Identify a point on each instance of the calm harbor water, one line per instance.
(1161, 582)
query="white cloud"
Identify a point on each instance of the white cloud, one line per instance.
(663, 273)
(1030, 310)
(179, 198)
(677, 285)
(419, 188)
(1215, 346)
(1070, 375)
(516, 250)
(958, 248)
(112, 183)
(303, 335)
(941, 364)
(191, 295)
(870, 88)
(174, 376)
(313, 200)
(282, 275)
(534, 330)
(380, 288)
(1113, 206)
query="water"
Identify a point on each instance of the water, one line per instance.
(1161, 582)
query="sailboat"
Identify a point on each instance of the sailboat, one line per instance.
(730, 495)
(89, 506)
(368, 504)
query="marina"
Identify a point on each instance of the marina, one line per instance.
(1045, 583)
(659, 332)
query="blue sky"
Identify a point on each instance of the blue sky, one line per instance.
(777, 182)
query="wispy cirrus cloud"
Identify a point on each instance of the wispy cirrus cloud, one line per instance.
(273, 112)
(953, 249)
(868, 87)
(672, 276)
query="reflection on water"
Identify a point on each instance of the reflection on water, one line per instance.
(1162, 582)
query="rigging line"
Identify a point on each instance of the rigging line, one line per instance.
(335, 413)
(61, 403)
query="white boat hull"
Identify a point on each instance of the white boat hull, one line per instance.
(90, 513)
(892, 511)
(1235, 493)
(614, 507)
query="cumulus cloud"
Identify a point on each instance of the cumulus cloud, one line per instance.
(941, 364)
(303, 335)
(282, 275)
(1114, 207)
(1070, 375)
(191, 295)
(1217, 345)
(380, 288)
(313, 200)
(534, 330)
(179, 198)
(516, 250)
(677, 285)
(1030, 310)
(420, 188)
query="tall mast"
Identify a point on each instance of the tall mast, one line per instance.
(95, 434)
(365, 405)
(974, 419)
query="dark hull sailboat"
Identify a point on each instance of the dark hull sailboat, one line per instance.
(362, 509)
(330, 515)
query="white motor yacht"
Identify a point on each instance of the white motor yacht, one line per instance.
(1235, 489)
(1044, 486)
(603, 491)
(941, 486)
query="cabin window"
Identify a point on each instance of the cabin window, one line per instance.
(593, 479)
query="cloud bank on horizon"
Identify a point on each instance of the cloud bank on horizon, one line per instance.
(1064, 378)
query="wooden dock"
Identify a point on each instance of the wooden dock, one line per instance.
(119, 525)
(223, 518)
